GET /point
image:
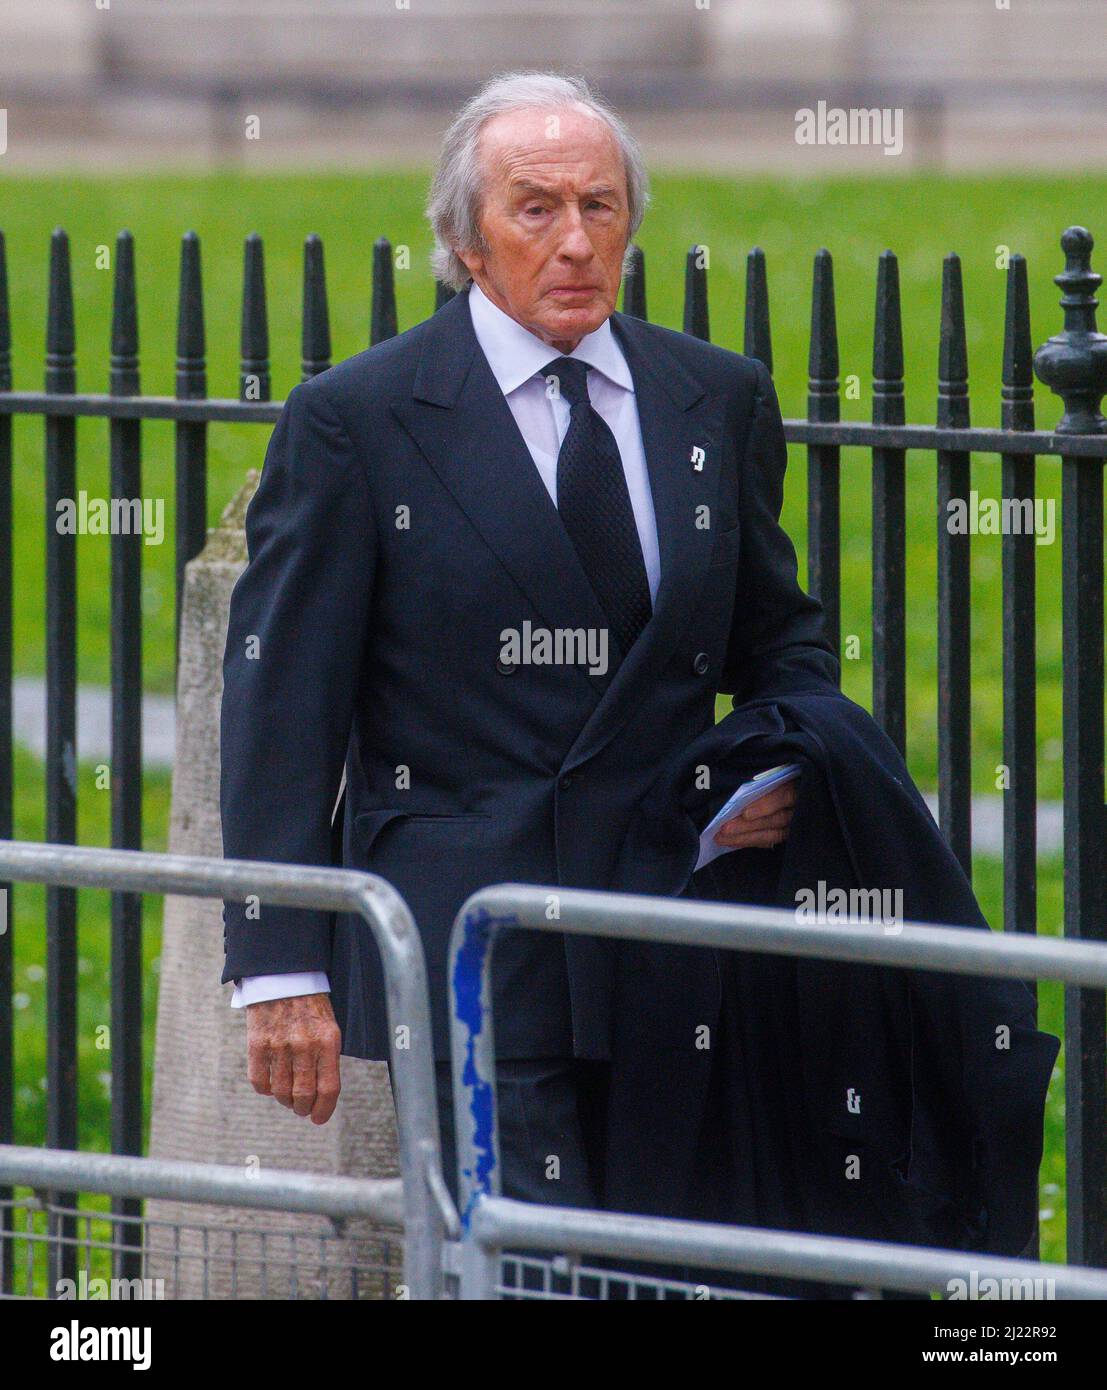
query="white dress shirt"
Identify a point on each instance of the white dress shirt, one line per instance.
(517, 358)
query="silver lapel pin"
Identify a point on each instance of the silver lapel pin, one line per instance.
(698, 457)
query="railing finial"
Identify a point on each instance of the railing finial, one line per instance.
(315, 336)
(5, 323)
(124, 321)
(634, 283)
(1073, 363)
(953, 356)
(254, 380)
(822, 357)
(1018, 352)
(192, 382)
(383, 320)
(757, 338)
(696, 321)
(888, 400)
(61, 360)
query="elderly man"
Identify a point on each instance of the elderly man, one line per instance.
(500, 566)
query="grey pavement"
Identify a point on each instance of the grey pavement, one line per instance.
(93, 722)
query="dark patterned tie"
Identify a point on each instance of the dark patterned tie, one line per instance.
(594, 504)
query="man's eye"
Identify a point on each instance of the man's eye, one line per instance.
(536, 208)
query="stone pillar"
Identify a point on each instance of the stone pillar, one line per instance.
(204, 1108)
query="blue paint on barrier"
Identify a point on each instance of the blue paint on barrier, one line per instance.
(477, 933)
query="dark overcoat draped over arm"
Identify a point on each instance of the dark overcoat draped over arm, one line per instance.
(912, 1103)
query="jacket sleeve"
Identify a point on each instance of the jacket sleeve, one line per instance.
(291, 669)
(777, 642)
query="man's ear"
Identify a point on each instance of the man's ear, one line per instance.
(471, 260)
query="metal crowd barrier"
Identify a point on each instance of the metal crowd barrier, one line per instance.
(197, 1258)
(421, 1197)
(492, 1224)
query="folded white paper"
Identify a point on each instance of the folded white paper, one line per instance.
(746, 795)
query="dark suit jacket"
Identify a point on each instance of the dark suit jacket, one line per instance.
(935, 1084)
(399, 528)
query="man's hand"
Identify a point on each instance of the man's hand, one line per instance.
(763, 823)
(292, 1051)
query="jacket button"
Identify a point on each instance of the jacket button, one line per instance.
(700, 664)
(566, 781)
(505, 668)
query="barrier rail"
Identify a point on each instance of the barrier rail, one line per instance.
(427, 1209)
(351, 1254)
(490, 1222)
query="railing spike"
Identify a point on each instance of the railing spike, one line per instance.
(695, 294)
(889, 574)
(822, 358)
(824, 460)
(124, 378)
(1018, 350)
(5, 322)
(953, 355)
(192, 381)
(634, 284)
(888, 402)
(315, 345)
(61, 360)
(757, 338)
(383, 323)
(254, 380)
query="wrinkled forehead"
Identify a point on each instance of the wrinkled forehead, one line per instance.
(518, 144)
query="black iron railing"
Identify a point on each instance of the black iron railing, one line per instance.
(1074, 364)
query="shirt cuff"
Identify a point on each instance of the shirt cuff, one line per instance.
(256, 989)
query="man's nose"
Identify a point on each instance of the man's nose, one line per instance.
(575, 241)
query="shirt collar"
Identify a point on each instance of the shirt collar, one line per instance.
(515, 354)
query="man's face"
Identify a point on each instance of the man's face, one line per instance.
(555, 221)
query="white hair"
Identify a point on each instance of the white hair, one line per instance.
(453, 206)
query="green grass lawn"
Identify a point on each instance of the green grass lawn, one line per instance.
(920, 217)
